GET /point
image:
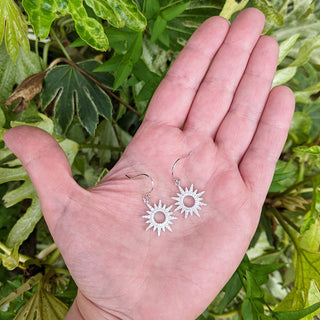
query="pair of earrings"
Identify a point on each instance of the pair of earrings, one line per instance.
(188, 202)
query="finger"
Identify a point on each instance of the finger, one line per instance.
(172, 100)
(220, 83)
(47, 166)
(258, 164)
(249, 100)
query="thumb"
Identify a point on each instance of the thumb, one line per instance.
(47, 166)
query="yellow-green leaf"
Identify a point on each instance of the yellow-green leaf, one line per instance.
(129, 12)
(42, 306)
(103, 10)
(232, 6)
(13, 28)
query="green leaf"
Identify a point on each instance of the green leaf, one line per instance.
(7, 74)
(231, 289)
(72, 91)
(129, 12)
(253, 289)
(13, 27)
(286, 46)
(284, 176)
(248, 310)
(41, 15)
(89, 29)
(129, 59)
(173, 11)
(300, 127)
(25, 225)
(232, 6)
(296, 315)
(103, 10)
(305, 95)
(272, 15)
(123, 72)
(300, 8)
(158, 28)
(306, 50)
(111, 64)
(283, 76)
(260, 272)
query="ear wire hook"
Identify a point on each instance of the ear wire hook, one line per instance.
(176, 179)
(146, 197)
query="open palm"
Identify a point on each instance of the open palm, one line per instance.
(225, 113)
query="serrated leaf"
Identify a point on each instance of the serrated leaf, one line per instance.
(307, 275)
(130, 13)
(285, 47)
(74, 92)
(13, 28)
(284, 176)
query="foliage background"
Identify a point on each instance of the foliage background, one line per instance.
(84, 71)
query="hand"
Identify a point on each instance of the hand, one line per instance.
(234, 126)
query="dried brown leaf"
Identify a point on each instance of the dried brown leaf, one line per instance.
(26, 91)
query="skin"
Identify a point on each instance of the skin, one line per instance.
(235, 127)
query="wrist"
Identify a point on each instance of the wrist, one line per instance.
(84, 309)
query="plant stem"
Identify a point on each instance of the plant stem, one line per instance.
(46, 251)
(285, 227)
(60, 44)
(225, 315)
(290, 223)
(299, 184)
(25, 287)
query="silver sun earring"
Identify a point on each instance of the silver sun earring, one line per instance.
(159, 216)
(188, 201)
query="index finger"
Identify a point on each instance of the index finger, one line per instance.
(171, 102)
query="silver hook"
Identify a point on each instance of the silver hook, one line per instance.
(176, 179)
(146, 197)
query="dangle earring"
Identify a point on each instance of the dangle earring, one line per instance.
(187, 195)
(159, 217)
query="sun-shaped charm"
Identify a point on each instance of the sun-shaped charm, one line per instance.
(193, 208)
(164, 213)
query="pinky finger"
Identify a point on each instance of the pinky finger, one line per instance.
(258, 164)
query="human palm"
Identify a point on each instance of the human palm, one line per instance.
(235, 128)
